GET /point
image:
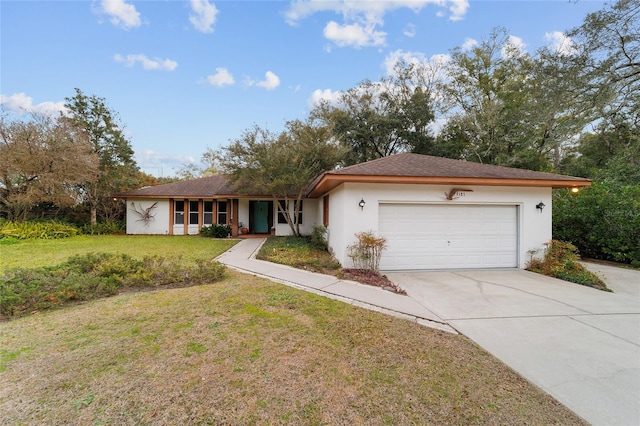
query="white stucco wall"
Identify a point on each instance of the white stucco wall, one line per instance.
(346, 218)
(159, 224)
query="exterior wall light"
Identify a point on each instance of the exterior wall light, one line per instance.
(575, 189)
(540, 206)
(361, 204)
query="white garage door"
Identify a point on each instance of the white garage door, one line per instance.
(421, 236)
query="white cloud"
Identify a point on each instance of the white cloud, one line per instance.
(270, 82)
(410, 31)
(22, 104)
(469, 44)
(203, 16)
(434, 64)
(328, 95)
(514, 47)
(147, 64)
(354, 35)
(222, 77)
(458, 9)
(160, 164)
(350, 9)
(122, 14)
(362, 20)
(561, 43)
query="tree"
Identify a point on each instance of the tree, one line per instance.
(118, 169)
(281, 165)
(486, 90)
(378, 119)
(609, 51)
(42, 160)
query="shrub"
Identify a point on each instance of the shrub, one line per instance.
(366, 253)
(318, 238)
(603, 221)
(36, 230)
(94, 275)
(561, 260)
(105, 228)
(216, 231)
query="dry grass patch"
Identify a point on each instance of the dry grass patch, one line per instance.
(249, 351)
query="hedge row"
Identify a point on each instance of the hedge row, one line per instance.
(602, 221)
(91, 276)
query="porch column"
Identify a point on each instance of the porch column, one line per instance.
(186, 218)
(171, 214)
(234, 217)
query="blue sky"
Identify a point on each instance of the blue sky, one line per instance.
(187, 75)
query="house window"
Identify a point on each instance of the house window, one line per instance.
(178, 217)
(222, 212)
(283, 205)
(207, 215)
(193, 212)
(300, 212)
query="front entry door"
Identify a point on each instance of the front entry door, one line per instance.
(261, 217)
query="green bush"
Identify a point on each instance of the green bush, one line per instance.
(36, 230)
(94, 275)
(215, 231)
(602, 221)
(105, 228)
(318, 238)
(561, 260)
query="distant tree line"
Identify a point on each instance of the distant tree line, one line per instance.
(66, 167)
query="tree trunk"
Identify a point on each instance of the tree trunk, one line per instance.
(94, 216)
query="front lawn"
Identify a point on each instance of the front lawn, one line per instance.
(246, 350)
(35, 253)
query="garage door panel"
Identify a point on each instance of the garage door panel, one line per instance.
(423, 236)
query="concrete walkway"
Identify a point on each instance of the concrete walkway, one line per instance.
(242, 258)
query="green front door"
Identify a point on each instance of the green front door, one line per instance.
(261, 217)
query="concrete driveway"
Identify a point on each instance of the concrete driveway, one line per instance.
(580, 345)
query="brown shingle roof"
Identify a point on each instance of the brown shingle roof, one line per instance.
(197, 188)
(417, 168)
(399, 168)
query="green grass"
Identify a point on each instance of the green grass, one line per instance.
(242, 350)
(35, 253)
(249, 351)
(298, 253)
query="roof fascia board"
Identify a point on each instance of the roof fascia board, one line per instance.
(331, 181)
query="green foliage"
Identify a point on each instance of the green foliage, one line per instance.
(216, 231)
(282, 165)
(366, 253)
(105, 228)
(94, 275)
(36, 230)
(118, 170)
(318, 238)
(603, 221)
(561, 260)
(297, 252)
